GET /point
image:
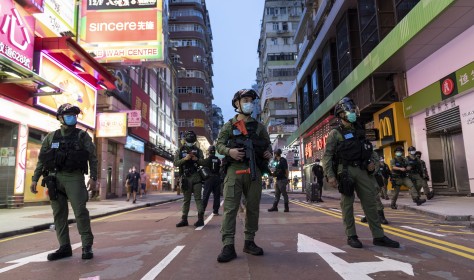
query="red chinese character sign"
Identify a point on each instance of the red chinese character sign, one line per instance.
(315, 143)
(141, 103)
(16, 34)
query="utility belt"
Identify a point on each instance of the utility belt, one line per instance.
(357, 163)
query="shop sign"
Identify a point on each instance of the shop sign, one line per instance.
(315, 144)
(431, 97)
(111, 125)
(134, 118)
(115, 5)
(76, 91)
(198, 122)
(135, 145)
(119, 35)
(387, 127)
(141, 102)
(59, 16)
(16, 34)
(32, 6)
(123, 86)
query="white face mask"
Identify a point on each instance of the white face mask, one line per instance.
(247, 108)
(412, 152)
(189, 144)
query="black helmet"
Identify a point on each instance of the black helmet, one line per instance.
(67, 108)
(411, 148)
(346, 105)
(244, 93)
(418, 153)
(211, 149)
(399, 148)
(278, 152)
(190, 136)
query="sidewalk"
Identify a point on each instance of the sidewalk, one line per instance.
(34, 218)
(445, 208)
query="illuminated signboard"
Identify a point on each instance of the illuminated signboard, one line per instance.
(111, 125)
(135, 145)
(116, 34)
(16, 34)
(75, 91)
(58, 16)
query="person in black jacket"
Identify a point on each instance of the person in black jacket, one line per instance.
(213, 183)
(281, 174)
(318, 173)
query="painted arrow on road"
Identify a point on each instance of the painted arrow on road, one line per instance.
(41, 257)
(349, 271)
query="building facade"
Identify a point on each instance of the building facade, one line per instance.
(378, 53)
(217, 121)
(191, 41)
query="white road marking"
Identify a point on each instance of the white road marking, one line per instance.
(153, 273)
(208, 219)
(334, 209)
(423, 231)
(41, 257)
(349, 271)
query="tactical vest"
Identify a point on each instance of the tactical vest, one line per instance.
(215, 165)
(66, 153)
(399, 162)
(415, 165)
(259, 145)
(354, 147)
(189, 167)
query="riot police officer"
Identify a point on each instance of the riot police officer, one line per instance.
(281, 174)
(237, 182)
(348, 160)
(213, 183)
(188, 158)
(416, 173)
(400, 168)
(63, 160)
(425, 175)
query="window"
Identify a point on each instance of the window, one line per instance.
(285, 26)
(286, 41)
(274, 41)
(275, 26)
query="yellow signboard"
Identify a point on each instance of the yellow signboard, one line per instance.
(111, 125)
(198, 122)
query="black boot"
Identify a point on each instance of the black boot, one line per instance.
(287, 209)
(382, 217)
(393, 206)
(419, 201)
(363, 219)
(200, 221)
(251, 248)
(87, 253)
(64, 251)
(386, 242)
(430, 195)
(354, 242)
(227, 254)
(274, 207)
(183, 223)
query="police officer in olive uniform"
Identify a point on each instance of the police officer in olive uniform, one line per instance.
(425, 176)
(62, 161)
(416, 173)
(348, 160)
(213, 183)
(400, 168)
(188, 158)
(237, 184)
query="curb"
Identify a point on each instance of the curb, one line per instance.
(46, 226)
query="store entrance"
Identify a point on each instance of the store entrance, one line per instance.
(449, 173)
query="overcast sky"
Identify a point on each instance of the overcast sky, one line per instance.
(236, 29)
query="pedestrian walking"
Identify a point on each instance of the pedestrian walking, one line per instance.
(63, 160)
(295, 182)
(188, 158)
(347, 161)
(318, 173)
(242, 140)
(425, 175)
(213, 183)
(133, 181)
(400, 169)
(281, 175)
(143, 180)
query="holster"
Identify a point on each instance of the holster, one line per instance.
(50, 183)
(346, 184)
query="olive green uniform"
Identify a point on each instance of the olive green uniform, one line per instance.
(418, 181)
(71, 185)
(236, 185)
(194, 181)
(364, 187)
(400, 178)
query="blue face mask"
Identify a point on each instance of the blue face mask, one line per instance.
(351, 117)
(70, 120)
(189, 144)
(398, 154)
(247, 108)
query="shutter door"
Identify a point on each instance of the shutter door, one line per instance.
(448, 120)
